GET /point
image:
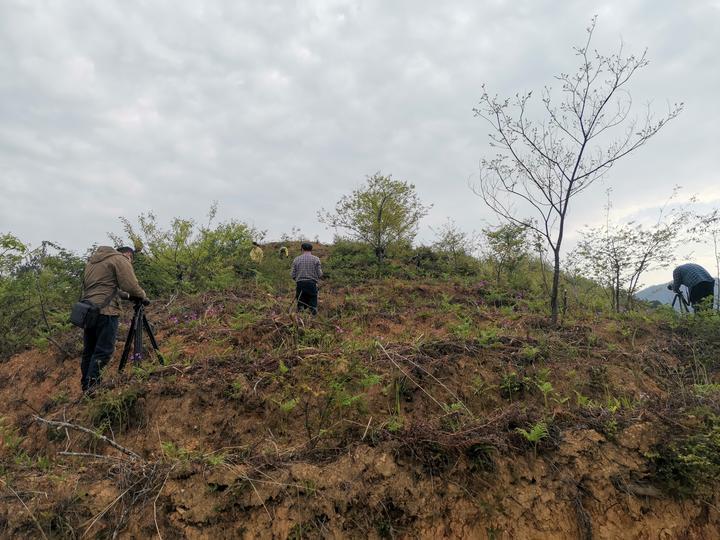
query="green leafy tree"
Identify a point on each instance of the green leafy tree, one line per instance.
(383, 213)
(543, 165)
(508, 247)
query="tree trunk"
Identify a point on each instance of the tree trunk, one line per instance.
(556, 252)
(379, 247)
(380, 256)
(555, 287)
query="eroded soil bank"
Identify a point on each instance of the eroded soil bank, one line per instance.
(386, 417)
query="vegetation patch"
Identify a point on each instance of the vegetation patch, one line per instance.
(115, 409)
(689, 466)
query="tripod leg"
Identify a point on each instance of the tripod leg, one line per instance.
(153, 342)
(138, 348)
(126, 349)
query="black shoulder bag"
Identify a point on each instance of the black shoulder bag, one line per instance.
(85, 314)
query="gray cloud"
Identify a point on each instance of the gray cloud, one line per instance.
(276, 109)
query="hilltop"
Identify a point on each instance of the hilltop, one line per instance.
(410, 407)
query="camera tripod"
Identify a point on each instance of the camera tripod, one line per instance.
(684, 305)
(135, 337)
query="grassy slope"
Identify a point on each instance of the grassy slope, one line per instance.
(397, 412)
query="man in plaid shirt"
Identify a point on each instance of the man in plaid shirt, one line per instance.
(306, 271)
(699, 282)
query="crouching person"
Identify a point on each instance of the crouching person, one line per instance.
(699, 282)
(108, 276)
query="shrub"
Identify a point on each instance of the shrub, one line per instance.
(113, 409)
(351, 261)
(529, 353)
(511, 385)
(37, 286)
(690, 466)
(437, 262)
(188, 257)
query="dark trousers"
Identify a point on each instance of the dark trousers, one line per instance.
(699, 293)
(98, 348)
(306, 293)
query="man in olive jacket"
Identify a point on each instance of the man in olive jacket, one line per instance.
(108, 276)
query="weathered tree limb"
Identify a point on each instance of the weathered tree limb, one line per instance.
(89, 455)
(56, 424)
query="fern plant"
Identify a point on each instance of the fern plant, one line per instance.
(546, 388)
(538, 432)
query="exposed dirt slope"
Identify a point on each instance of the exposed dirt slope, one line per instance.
(396, 413)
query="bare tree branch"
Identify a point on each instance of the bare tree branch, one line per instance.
(56, 424)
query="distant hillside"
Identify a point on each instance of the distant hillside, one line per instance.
(659, 293)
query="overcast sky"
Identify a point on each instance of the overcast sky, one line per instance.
(278, 108)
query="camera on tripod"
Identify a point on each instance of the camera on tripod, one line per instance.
(679, 297)
(134, 338)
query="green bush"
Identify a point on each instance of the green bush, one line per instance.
(350, 262)
(690, 466)
(436, 262)
(355, 261)
(37, 288)
(704, 328)
(189, 257)
(511, 385)
(115, 409)
(274, 271)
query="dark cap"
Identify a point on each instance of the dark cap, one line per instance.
(306, 246)
(126, 249)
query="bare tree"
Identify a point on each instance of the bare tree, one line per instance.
(617, 255)
(545, 164)
(454, 241)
